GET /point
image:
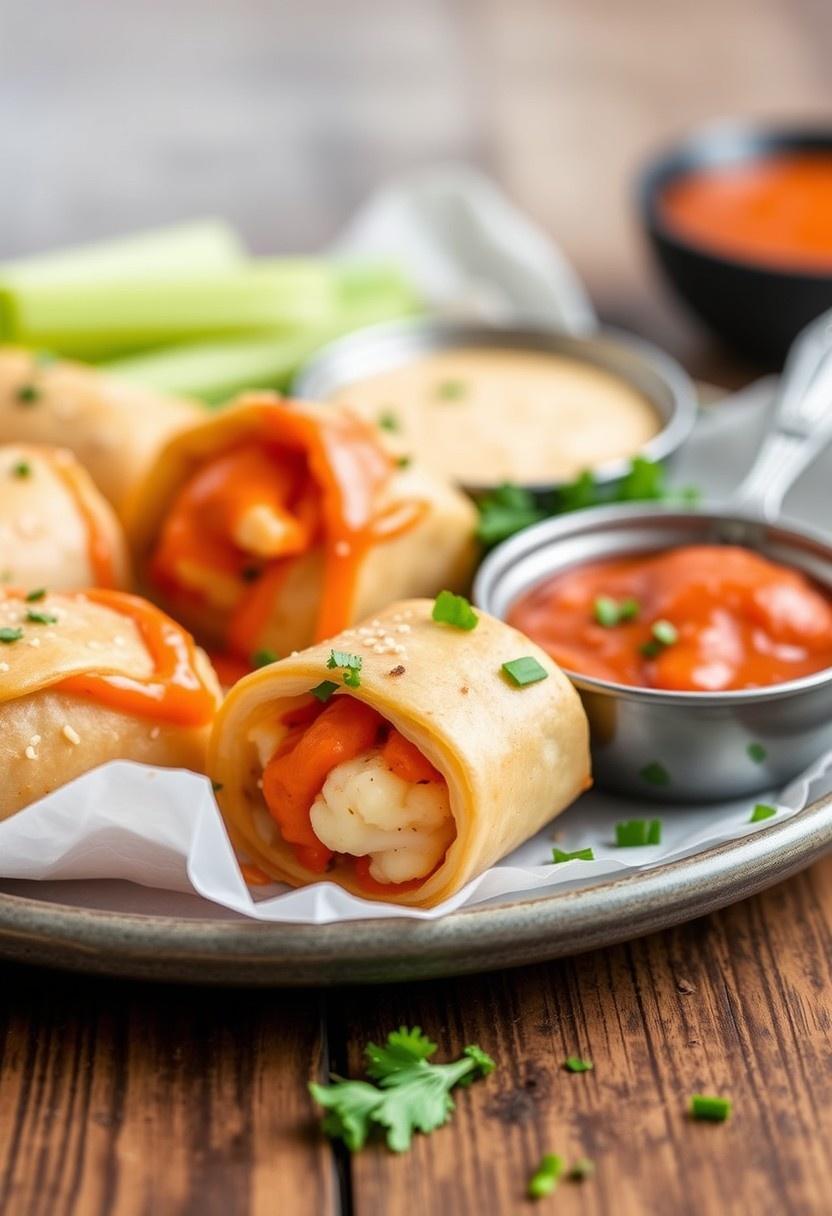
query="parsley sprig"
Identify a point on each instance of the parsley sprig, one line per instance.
(411, 1094)
(510, 508)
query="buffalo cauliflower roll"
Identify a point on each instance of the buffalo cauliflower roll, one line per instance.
(56, 529)
(274, 524)
(401, 758)
(113, 428)
(91, 677)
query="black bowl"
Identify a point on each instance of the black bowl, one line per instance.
(757, 309)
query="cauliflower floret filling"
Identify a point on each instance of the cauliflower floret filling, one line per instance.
(366, 810)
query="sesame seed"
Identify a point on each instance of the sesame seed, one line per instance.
(34, 642)
(70, 734)
(379, 649)
(35, 740)
(4, 667)
(30, 753)
(154, 734)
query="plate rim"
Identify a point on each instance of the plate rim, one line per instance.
(480, 938)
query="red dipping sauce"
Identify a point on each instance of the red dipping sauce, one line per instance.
(775, 211)
(701, 618)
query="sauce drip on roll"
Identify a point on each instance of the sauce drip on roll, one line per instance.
(246, 512)
(701, 618)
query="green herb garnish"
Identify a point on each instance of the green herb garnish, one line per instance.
(455, 610)
(762, 811)
(323, 691)
(22, 469)
(38, 594)
(262, 658)
(609, 612)
(41, 618)
(664, 634)
(635, 833)
(582, 1169)
(504, 511)
(404, 462)
(546, 1177)
(655, 774)
(411, 1094)
(27, 394)
(576, 1064)
(351, 665)
(388, 421)
(756, 752)
(451, 390)
(703, 1106)
(525, 671)
(558, 855)
(512, 508)
(10, 634)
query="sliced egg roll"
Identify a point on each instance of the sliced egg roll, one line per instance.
(274, 524)
(56, 529)
(399, 759)
(91, 677)
(112, 427)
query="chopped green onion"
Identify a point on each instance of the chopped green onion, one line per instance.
(605, 611)
(609, 612)
(388, 421)
(41, 618)
(27, 394)
(22, 469)
(664, 634)
(576, 1064)
(404, 462)
(715, 1110)
(525, 671)
(756, 752)
(37, 594)
(762, 811)
(451, 390)
(323, 691)
(634, 833)
(262, 658)
(655, 773)
(545, 1178)
(9, 634)
(582, 1169)
(558, 855)
(455, 610)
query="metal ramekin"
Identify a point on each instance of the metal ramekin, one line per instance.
(700, 741)
(644, 367)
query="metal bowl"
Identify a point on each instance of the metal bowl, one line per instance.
(639, 364)
(679, 746)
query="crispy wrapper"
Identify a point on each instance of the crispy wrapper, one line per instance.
(50, 735)
(424, 540)
(113, 428)
(513, 757)
(56, 529)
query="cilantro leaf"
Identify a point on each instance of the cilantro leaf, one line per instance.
(454, 610)
(412, 1094)
(403, 1047)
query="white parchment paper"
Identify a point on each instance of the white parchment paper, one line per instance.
(129, 824)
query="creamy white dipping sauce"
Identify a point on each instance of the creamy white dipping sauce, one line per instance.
(483, 416)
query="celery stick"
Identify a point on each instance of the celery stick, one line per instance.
(216, 370)
(103, 319)
(202, 246)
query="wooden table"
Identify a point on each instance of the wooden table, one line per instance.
(121, 1100)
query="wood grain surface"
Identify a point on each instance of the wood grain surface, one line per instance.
(126, 1100)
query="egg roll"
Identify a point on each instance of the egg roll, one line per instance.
(399, 760)
(112, 427)
(56, 529)
(274, 524)
(87, 677)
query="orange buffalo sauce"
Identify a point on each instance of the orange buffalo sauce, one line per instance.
(318, 739)
(319, 479)
(175, 693)
(776, 210)
(736, 620)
